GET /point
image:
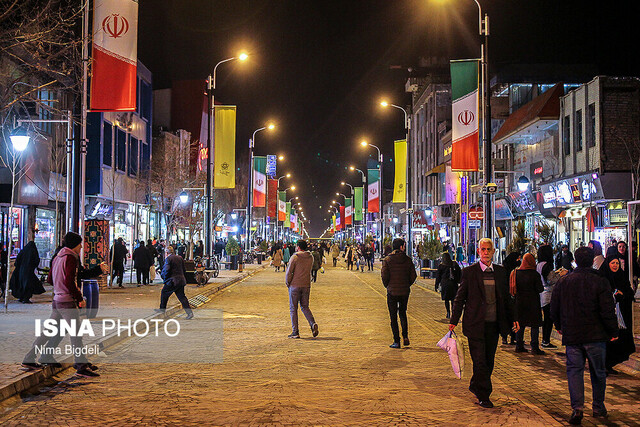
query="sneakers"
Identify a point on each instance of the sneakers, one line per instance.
(548, 345)
(314, 330)
(189, 316)
(31, 366)
(576, 417)
(395, 345)
(86, 372)
(293, 335)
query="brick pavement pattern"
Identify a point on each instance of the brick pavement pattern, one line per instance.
(346, 376)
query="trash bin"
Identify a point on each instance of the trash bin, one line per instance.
(91, 291)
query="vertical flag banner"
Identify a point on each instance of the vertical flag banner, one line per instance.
(373, 176)
(292, 219)
(287, 217)
(465, 129)
(224, 154)
(358, 203)
(282, 205)
(338, 223)
(114, 55)
(343, 222)
(272, 198)
(400, 176)
(348, 211)
(259, 181)
(333, 223)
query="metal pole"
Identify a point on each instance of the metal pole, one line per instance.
(488, 173)
(381, 158)
(250, 195)
(207, 197)
(409, 207)
(83, 125)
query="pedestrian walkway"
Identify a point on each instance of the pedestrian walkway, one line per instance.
(13, 379)
(347, 375)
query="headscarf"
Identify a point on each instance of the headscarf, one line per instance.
(617, 279)
(511, 261)
(528, 263)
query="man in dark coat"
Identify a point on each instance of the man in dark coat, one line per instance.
(483, 295)
(142, 262)
(398, 274)
(583, 312)
(564, 258)
(118, 255)
(24, 283)
(173, 274)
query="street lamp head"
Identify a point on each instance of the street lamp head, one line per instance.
(333, 201)
(384, 103)
(271, 126)
(523, 183)
(19, 138)
(234, 215)
(293, 187)
(243, 56)
(337, 194)
(288, 175)
(352, 168)
(281, 157)
(364, 143)
(184, 197)
(342, 183)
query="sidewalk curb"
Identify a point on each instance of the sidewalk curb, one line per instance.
(31, 379)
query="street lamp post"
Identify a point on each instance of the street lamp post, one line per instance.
(250, 186)
(365, 192)
(211, 87)
(408, 207)
(278, 210)
(19, 141)
(381, 195)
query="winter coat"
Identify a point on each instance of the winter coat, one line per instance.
(299, 270)
(63, 276)
(447, 280)
(335, 251)
(471, 297)
(23, 282)
(564, 260)
(317, 260)
(119, 254)
(398, 273)
(276, 261)
(142, 258)
(527, 307)
(173, 271)
(583, 309)
(153, 252)
(286, 255)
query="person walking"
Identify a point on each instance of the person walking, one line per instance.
(484, 298)
(298, 280)
(583, 312)
(447, 280)
(276, 260)
(349, 255)
(317, 263)
(398, 274)
(619, 351)
(142, 261)
(564, 258)
(118, 256)
(525, 285)
(198, 249)
(598, 259)
(459, 254)
(370, 256)
(173, 274)
(286, 256)
(544, 267)
(510, 263)
(335, 253)
(23, 282)
(67, 302)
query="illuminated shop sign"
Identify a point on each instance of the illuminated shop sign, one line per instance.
(523, 202)
(580, 189)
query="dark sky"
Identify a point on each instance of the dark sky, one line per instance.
(318, 68)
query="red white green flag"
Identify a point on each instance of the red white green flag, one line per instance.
(259, 181)
(465, 128)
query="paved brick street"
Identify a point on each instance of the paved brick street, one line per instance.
(347, 375)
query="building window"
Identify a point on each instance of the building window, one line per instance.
(121, 150)
(566, 140)
(577, 130)
(107, 144)
(145, 157)
(133, 156)
(591, 121)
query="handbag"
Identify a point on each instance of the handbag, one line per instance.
(152, 273)
(621, 324)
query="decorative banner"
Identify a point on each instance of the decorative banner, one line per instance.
(358, 197)
(282, 205)
(465, 129)
(348, 211)
(271, 165)
(259, 181)
(374, 190)
(400, 181)
(333, 223)
(292, 219)
(287, 217)
(343, 222)
(338, 222)
(272, 198)
(114, 55)
(224, 152)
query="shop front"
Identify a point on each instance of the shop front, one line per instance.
(45, 233)
(14, 228)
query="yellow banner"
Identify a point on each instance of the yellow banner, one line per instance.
(400, 181)
(224, 167)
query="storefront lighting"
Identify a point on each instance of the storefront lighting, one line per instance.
(523, 183)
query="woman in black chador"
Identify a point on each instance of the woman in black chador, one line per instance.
(24, 283)
(448, 279)
(619, 350)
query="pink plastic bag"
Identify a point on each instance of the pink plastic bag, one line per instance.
(452, 345)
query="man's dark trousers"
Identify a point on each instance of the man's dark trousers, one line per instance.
(483, 353)
(398, 307)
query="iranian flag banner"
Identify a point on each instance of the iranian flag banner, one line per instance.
(114, 55)
(348, 211)
(338, 223)
(259, 181)
(465, 128)
(373, 176)
(282, 205)
(343, 222)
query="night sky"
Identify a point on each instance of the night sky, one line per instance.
(319, 68)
